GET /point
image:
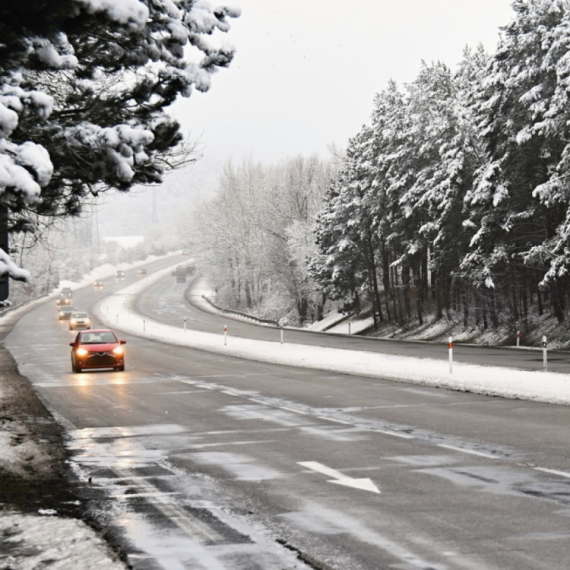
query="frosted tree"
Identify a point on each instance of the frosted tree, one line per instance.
(232, 240)
(295, 196)
(346, 267)
(519, 203)
(83, 89)
(254, 237)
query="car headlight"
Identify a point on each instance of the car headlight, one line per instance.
(119, 350)
(81, 352)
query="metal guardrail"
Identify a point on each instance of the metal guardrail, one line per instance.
(244, 315)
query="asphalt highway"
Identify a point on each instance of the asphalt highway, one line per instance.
(203, 461)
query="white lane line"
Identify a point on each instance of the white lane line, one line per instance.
(469, 451)
(395, 434)
(292, 410)
(259, 402)
(333, 420)
(553, 472)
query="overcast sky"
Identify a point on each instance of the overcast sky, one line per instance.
(306, 71)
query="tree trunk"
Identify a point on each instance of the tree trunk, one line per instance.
(407, 290)
(418, 279)
(556, 301)
(376, 306)
(494, 316)
(386, 278)
(465, 303)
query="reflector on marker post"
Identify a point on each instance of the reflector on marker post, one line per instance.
(518, 338)
(450, 344)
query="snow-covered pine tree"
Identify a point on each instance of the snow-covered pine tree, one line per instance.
(520, 199)
(83, 88)
(347, 265)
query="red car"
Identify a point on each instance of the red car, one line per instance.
(97, 348)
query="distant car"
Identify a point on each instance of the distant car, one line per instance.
(120, 274)
(184, 253)
(67, 292)
(180, 274)
(97, 348)
(65, 312)
(142, 271)
(98, 284)
(63, 300)
(79, 320)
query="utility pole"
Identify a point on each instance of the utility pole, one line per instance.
(4, 278)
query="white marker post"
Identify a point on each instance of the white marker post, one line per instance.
(544, 354)
(450, 344)
(144, 325)
(518, 338)
(348, 328)
(184, 325)
(225, 335)
(281, 336)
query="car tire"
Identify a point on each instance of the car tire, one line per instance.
(121, 368)
(73, 367)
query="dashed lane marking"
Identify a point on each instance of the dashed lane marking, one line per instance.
(469, 451)
(553, 472)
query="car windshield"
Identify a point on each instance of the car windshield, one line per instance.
(67, 310)
(79, 315)
(98, 338)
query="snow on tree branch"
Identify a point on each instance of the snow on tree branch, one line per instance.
(83, 93)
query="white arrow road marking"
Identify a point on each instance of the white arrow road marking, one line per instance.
(339, 479)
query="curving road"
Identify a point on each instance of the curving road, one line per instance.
(203, 461)
(164, 301)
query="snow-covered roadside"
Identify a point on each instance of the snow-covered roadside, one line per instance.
(31, 542)
(38, 510)
(509, 383)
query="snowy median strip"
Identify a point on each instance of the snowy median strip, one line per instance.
(116, 312)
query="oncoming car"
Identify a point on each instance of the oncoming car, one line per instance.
(98, 284)
(79, 320)
(120, 275)
(65, 313)
(97, 348)
(63, 300)
(67, 292)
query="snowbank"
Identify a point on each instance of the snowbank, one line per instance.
(505, 382)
